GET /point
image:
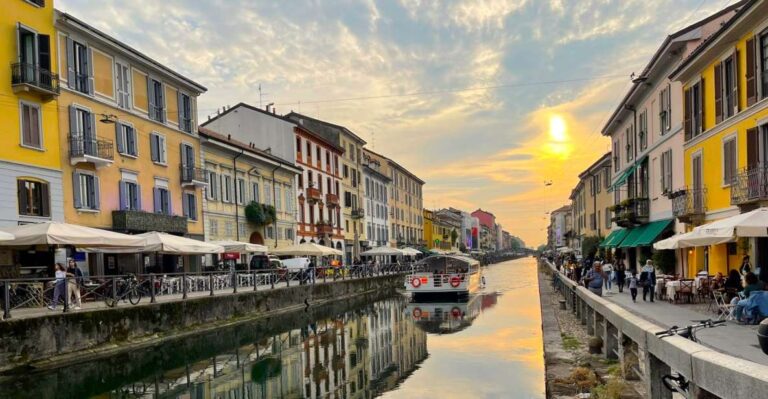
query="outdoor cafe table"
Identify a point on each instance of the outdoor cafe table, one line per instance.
(673, 287)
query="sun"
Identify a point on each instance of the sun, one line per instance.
(557, 130)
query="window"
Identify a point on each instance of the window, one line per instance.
(643, 130)
(354, 178)
(318, 153)
(242, 230)
(229, 229)
(346, 171)
(189, 205)
(629, 140)
(157, 148)
(156, 98)
(125, 136)
(162, 200)
(214, 226)
(34, 57)
(336, 164)
(185, 112)
(665, 111)
(31, 123)
(347, 199)
(288, 199)
(309, 153)
(607, 218)
(79, 67)
(607, 174)
(310, 183)
(763, 46)
(351, 152)
(666, 172)
(255, 192)
(270, 232)
(730, 159)
(226, 188)
(289, 234)
(240, 191)
(130, 195)
(694, 111)
(298, 148)
(39, 3)
(86, 191)
(278, 197)
(34, 198)
(616, 158)
(726, 88)
(267, 193)
(212, 190)
(123, 83)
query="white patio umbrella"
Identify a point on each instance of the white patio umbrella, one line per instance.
(307, 249)
(411, 251)
(674, 242)
(240, 247)
(6, 236)
(383, 251)
(438, 251)
(57, 233)
(750, 224)
(165, 244)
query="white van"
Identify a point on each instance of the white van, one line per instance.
(295, 264)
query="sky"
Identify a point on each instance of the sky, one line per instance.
(485, 100)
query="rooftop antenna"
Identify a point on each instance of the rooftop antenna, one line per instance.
(261, 94)
(373, 140)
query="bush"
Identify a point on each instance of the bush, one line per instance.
(589, 246)
(259, 214)
(665, 260)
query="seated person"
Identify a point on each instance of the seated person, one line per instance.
(732, 283)
(718, 282)
(752, 285)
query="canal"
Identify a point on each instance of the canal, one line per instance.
(487, 347)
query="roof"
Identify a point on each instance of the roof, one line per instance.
(400, 167)
(696, 53)
(70, 19)
(323, 128)
(210, 134)
(597, 164)
(657, 56)
(564, 208)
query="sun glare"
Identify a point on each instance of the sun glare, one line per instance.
(557, 129)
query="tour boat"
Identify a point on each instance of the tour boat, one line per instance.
(440, 275)
(446, 317)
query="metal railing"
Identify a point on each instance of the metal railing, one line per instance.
(750, 184)
(107, 291)
(191, 174)
(23, 73)
(631, 212)
(185, 124)
(688, 203)
(80, 146)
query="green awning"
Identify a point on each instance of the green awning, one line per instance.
(632, 236)
(625, 174)
(614, 239)
(651, 232)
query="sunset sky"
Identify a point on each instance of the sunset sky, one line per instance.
(485, 100)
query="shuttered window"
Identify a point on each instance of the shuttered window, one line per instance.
(123, 83)
(212, 190)
(79, 67)
(763, 67)
(643, 130)
(694, 110)
(85, 191)
(666, 171)
(31, 132)
(729, 160)
(665, 111)
(185, 112)
(189, 205)
(158, 148)
(156, 98)
(34, 198)
(750, 73)
(162, 201)
(130, 195)
(125, 136)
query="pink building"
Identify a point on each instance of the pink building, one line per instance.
(487, 219)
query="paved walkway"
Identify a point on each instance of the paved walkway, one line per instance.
(731, 338)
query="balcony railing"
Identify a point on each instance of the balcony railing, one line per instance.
(88, 149)
(331, 200)
(631, 212)
(314, 195)
(358, 213)
(185, 124)
(30, 77)
(689, 205)
(191, 175)
(324, 228)
(750, 185)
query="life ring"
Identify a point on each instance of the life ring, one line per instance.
(416, 282)
(455, 312)
(416, 313)
(455, 281)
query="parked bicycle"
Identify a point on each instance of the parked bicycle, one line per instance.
(127, 289)
(677, 382)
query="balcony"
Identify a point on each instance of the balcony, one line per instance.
(29, 78)
(141, 221)
(313, 195)
(193, 177)
(358, 213)
(750, 185)
(688, 205)
(90, 150)
(331, 200)
(631, 212)
(324, 228)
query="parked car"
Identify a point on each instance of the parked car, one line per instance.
(264, 263)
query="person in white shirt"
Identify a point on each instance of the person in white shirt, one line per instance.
(608, 270)
(59, 285)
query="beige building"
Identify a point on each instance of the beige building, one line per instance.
(591, 202)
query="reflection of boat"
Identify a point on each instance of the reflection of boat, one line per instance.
(444, 275)
(449, 317)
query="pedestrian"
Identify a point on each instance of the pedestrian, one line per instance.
(621, 276)
(746, 266)
(75, 283)
(648, 279)
(59, 285)
(594, 279)
(311, 270)
(633, 286)
(608, 270)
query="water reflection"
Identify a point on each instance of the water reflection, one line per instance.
(437, 317)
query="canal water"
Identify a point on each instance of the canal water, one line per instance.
(487, 347)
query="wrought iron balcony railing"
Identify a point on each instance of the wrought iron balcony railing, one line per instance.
(689, 205)
(90, 149)
(193, 175)
(32, 78)
(631, 212)
(358, 213)
(750, 185)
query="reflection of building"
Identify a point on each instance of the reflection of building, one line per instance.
(376, 201)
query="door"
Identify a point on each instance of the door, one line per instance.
(27, 54)
(188, 162)
(697, 181)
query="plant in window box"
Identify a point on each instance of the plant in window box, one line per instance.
(260, 214)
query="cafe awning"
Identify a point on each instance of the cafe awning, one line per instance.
(632, 236)
(163, 243)
(240, 247)
(383, 251)
(57, 233)
(622, 178)
(614, 239)
(650, 232)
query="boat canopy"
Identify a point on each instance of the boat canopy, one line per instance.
(448, 264)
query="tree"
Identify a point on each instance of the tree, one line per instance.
(665, 260)
(589, 246)
(454, 237)
(260, 214)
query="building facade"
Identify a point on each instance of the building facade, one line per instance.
(130, 150)
(591, 202)
(450, 234)
(238, 175)
(488, 220)
(30, 160)
(560, 227)
(725, 128)
(376, 201)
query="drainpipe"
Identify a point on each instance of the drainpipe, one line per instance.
(237, 209)
(274, 201)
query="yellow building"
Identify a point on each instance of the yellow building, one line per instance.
(725, 83)
(429, 228)
(30, 164)
(130, 150)
(238, 175)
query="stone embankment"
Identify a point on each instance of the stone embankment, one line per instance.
(59, 338)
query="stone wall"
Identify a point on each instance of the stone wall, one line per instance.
(67, 336)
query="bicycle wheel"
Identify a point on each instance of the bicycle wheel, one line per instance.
(134, 296)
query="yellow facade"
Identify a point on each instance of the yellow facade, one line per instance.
(20, 14)
(429, 232)
(709, 144)
(108, 112)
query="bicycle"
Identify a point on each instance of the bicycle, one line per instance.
(677, 382)
(127, 288)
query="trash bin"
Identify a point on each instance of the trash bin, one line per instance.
(762, 335)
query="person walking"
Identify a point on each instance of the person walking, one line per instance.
(746, 266)
(59, 285)
(621, 277)
(633, 286)
(593, 280)
(608, 271)
(74, 284)
(648, 279)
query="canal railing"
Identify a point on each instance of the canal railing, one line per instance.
(632, 340)
(22, 294)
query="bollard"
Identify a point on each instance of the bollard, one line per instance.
(288, 279)
(6, 300)
(152, 293)
(234, 283)
(114, 290)
(184, 285)
(272, 280)
(255, 282)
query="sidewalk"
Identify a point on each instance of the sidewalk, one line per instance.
(732, 338)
